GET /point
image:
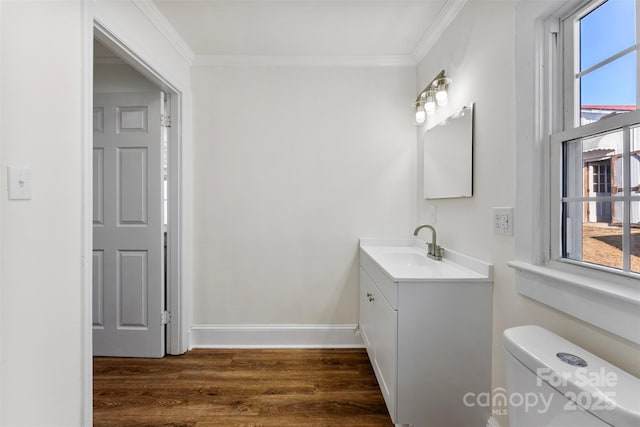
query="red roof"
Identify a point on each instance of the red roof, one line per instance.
(610, 107)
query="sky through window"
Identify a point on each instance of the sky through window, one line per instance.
(605, 32)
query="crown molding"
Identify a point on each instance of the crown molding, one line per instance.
(153, 14)
(302, 61)
(449, 11)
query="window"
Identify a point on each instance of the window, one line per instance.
(600, 61)
(558, 190)
(601, 173)
(595, 197)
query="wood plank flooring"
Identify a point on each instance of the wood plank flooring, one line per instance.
(274, 387)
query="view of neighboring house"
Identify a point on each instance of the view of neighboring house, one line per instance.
(602, 158)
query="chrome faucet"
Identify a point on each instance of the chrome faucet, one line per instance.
(434, 251)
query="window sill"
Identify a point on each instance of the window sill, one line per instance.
(614, 307)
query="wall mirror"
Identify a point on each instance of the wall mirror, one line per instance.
(448, 157)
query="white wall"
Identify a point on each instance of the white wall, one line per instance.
(477, 51)
(293, 166)
(41, 241)
(41, 80)
(119, 78)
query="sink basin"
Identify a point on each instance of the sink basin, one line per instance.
(407, 261)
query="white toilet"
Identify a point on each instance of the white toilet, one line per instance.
(554, 383)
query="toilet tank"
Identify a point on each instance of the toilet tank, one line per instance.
(552, 382)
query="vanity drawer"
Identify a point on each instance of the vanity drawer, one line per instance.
(387, 287)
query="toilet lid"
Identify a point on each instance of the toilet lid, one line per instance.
(601, 388)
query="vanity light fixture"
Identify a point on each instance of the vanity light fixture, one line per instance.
(434, 93)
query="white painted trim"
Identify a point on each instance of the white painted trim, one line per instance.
(118, 38)
(302, 61)
(275, 336)
(157, 18)
(176, 341)
(126, 41)
(1, 328)
(131, 56)
(612, 307)
(447, 14)
(86, 222)
(607, 300)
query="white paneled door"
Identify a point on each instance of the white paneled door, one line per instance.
(128, 241)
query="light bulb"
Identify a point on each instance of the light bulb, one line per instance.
(430, 103)
(430, 107)
(421, 115)
(441, 94)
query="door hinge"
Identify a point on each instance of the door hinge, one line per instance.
(166, 317)
(554, 26)
(165, 121)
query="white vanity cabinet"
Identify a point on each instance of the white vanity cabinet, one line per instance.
(427, 329)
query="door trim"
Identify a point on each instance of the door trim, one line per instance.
(174, 225)
(176, 337)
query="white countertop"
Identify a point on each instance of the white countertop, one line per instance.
(405, 260)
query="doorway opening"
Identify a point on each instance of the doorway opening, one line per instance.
(136, 186)
(176, 337)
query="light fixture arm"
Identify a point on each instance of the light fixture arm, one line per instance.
(433, 84)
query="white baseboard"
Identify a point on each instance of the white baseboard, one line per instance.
(275, 336)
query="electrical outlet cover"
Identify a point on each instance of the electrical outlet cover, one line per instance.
(502, 220)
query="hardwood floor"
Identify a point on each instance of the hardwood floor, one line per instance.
(275, 387)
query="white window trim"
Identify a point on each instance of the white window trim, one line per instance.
(607, 300)
(619, 122)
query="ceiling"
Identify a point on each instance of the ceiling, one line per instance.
(304, 27)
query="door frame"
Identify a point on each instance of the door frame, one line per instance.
(176, 339)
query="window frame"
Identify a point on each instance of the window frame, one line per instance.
(566, 64)
(570, 54)
(620, 122)
(603, 298)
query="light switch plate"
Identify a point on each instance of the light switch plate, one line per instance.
(19, 179)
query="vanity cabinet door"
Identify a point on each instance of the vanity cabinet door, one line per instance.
(366, 312)
(378, 327)
(385, 320)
